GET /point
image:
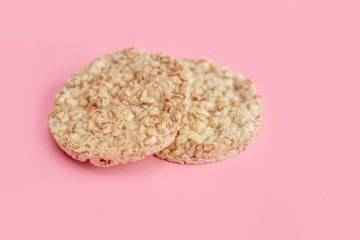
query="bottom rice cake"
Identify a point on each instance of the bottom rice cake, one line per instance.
(223, 118)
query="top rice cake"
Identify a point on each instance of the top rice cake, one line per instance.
(120, 108)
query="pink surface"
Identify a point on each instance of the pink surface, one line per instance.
(299, 180)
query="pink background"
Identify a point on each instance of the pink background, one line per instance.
(299, 180)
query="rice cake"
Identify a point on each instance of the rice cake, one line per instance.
(223, 118)
(120, 108)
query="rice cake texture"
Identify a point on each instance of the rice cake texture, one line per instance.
(223, 118)
(120, 108)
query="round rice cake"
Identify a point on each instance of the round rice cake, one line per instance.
(223, 118)
(120, 108)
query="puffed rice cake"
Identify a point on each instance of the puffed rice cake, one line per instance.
(223, 118)
(121, 107)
